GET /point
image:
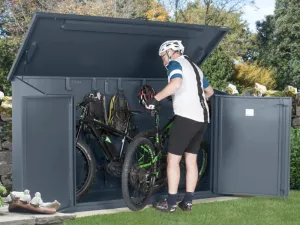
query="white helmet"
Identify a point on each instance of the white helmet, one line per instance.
(175, 45)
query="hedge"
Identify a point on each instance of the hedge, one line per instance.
(295, 159)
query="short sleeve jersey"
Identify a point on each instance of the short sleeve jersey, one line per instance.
(189, 101)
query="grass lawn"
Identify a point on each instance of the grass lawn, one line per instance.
(253, 210)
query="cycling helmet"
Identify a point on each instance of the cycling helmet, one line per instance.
(175, 45)
(145, 94)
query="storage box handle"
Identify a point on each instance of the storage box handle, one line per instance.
(106, 87)
(120, 84)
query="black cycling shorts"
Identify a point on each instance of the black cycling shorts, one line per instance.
(185, 135)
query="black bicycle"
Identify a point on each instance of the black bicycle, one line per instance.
(101, 132)
(144, 168)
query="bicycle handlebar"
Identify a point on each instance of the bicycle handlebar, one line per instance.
(83, 103)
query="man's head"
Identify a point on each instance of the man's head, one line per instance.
(170, 50)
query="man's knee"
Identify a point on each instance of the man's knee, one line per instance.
(190, 159)
(173, 159)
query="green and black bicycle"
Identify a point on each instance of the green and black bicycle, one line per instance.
(144, 168)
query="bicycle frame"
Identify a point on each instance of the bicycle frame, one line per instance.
(160, 135)
(158, 145)
(97, 127)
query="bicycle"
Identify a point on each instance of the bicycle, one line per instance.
(148, 174)
(99, 131)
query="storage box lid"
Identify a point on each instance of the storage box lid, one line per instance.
(63, 45)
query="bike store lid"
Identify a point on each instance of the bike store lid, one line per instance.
(63, 45)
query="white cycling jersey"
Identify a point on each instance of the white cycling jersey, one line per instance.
(189, 101)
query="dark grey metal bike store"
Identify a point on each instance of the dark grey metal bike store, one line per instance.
(64, 57)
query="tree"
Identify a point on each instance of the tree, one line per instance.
(219, 69)
(212, 9)
(217, 13)
(214, 12)
(265, 39)
(18, 13)
(132, 8)
(285, 56)
(9, 48)
(174, 7)
(277, 44)
(2, 19)
(157, 12)
(261, 43)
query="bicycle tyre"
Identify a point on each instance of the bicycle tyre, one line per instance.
(125, 173)
(203, 167)
(90, 159)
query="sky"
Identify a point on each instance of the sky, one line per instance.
(262, 9)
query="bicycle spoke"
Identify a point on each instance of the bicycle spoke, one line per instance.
(139, 182)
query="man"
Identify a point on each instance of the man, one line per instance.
(189, 90)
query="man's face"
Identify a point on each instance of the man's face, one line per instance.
(164, 56)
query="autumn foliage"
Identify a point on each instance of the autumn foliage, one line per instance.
(247, 74)
(157, 12)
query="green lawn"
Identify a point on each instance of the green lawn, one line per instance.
(253, 210)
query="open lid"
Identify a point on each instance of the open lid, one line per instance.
(60, 45)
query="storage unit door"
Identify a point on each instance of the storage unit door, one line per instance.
(48, 147)
(251, 145)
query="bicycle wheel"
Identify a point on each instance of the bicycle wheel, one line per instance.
(138, 173)
(202, 162)
(85, 168)
(202, 156)
(161, 181)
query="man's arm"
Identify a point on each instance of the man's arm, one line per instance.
(175, 74)
(208, 90)
(170, 89)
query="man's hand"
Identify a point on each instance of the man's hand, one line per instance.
(209, 91)
(152, 103)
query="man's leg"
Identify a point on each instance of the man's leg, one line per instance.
(191, 176)
(173, 173)
(182, 132)
(192, 167)
(191, 171)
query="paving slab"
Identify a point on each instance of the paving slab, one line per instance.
(118, 210)
(12, 218)
(7, 218)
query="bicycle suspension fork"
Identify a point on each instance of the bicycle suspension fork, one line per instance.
(124, 138)
(83, 114)
(157, 138)
(157, 145)
(123, 141)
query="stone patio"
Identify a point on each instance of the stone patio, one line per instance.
(7, 218)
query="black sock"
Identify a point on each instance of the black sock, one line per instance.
(172, 199)
(188, 197)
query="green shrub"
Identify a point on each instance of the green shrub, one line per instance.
(2, 192)
(295, 159)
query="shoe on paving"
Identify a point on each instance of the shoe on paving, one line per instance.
(185, 206)
(164, 207)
